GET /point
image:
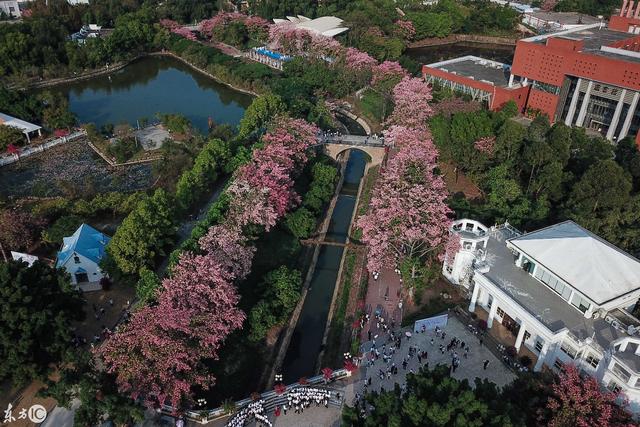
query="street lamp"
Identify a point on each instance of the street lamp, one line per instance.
(278, 378)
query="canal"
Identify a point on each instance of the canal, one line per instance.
(306, 342)
(153, 85)
(431, 54)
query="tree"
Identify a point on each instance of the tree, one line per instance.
(628, 156)
(301, 223)
(598, 199)
(147, 286)
(433, 398)
(37, 307)
(10, 135)
(159, 355)
(581, 402)
(96, 390)
(231, 248)
(18, 230)
(63, 227)
(263, 109)
(144, 233)
(408, 216)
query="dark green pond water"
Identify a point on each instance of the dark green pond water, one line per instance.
(154, 85)
(431, 54)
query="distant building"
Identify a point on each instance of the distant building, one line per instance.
(76, 2)
(560, 295)
(28, 129)
(557, 21)
(10, 8)
(19, 256)
(588, 76)
(87, 32)
(81, 254)
(326, 25)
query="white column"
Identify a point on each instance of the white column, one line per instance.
(511, 80)
(492, 313)
(629, 118)
(520, 336)
(616, 116)
(585, 103)
(525, 81)
(541, 357)
(574, 101)
(474, 297)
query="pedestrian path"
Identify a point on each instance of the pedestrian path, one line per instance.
(470, 367)
(384, 299)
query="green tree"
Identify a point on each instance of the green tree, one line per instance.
(283, 289)
(301, 223)
(37, 307)
(95, 389)
(144, 234)
(598, 200)
(505, 197)
(261, 111)
(628, 156)
(10, 135)
(63, 227)
(147, 286)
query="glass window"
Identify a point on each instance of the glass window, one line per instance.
(580, 303)
(570, 351)
(614, 387)
(592, 360)
(558, 364)
(539, 345)
(500, 312)
(76, 259)
(621, 372)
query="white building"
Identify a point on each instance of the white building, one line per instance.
(557, 21)
(10, 8)
(326, 25)
(563, 292)
(28, 129)
(81, 254)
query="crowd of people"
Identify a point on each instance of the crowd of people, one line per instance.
(302, 397)
(252, 410)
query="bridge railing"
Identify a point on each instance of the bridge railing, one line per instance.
(271, 399)
(372, 141)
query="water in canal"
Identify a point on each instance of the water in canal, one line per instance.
(431, 54)
(306, 341)
(151, 85)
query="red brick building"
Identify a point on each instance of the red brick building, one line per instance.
(587, 76)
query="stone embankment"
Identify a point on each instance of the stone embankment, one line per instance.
(466, 38)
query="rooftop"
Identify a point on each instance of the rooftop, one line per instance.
(594, 37)
(630, 359)
(486, 70)
(539, 300)
(590, 264)
(565, 18)
(86, 241)
(8, 120)
(326, 25)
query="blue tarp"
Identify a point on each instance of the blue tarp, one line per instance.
(273, 55)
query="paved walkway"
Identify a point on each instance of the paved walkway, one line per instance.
(383, 297)
(470, 367)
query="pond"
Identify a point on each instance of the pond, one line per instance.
(151, 85)
(431, 54)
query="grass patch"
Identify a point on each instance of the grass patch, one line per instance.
(374, 106)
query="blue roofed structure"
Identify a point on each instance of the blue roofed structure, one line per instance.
(81, 254)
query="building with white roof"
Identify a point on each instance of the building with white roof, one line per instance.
(10, 8)
(328, 26)
(27, 128)
(563, 293)
(19, 256)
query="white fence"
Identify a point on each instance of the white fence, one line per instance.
(33, 149)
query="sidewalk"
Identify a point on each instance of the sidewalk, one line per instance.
(383, 297)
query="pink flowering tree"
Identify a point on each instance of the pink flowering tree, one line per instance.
(159, 354)
(485, 145)
(358, 61)
(288, 39)
(402, 136)
(452, 247)
(405, 29)
(230, 247)
(388, 74)
(408, 217)
(184, 32)
(169, 24)
(411, 98)
(581, 402)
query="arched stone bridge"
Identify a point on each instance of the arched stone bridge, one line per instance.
(335, 145)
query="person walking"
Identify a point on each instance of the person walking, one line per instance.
(485, 364)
